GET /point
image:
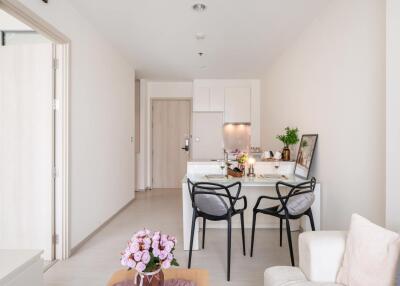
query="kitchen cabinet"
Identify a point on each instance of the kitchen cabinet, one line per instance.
(237, 104)
(217, 98)
(207, 136)
(201, 99)
(208, 96)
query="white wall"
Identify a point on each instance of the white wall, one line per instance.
(331, 81)
(101, 121)
(393, 115)
(8, 22)
(149, 90)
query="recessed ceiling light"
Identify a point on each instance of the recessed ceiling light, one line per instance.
(199, 7)
(200, 36)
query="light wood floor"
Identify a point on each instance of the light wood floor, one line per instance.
(161, 210)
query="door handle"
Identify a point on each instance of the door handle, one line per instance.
(186, 147)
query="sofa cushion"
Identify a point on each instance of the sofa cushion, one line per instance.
(371, 255)
(289, 276)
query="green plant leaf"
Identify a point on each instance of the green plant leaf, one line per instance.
(174, 262)
(290, 137)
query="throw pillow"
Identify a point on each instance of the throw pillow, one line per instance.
(371, 255)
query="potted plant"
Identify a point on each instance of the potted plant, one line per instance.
(148, 253)
(289, 138)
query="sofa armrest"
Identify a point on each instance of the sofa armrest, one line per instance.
(321, 254)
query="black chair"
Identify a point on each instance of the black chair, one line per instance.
(294, 205)
(215, 202)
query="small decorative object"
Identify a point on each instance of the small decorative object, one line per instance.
(251, 162)
(289, 138)
(235, 172)
(305, 155)
(149, 253)
(242, 158)
(277, 156)
(266, 155)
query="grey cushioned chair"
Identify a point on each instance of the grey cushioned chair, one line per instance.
(294, 205)
(216, 202)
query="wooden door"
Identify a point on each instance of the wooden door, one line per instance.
(26, 148)
(171, 127)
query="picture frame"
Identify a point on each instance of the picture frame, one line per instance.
(305, 155)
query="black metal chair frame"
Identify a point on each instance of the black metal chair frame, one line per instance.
(212, 189)
(276, 211)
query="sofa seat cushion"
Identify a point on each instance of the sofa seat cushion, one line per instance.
(289, 276)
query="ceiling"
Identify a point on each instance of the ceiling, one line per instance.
(242, 37)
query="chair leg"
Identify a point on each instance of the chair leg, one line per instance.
(243, 238)
(191, 238)
(204, 231)
(289, 235)
(310, 215)
(253, 227)
(280, 232)
(229, 248)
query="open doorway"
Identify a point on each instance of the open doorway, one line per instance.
(33, 135)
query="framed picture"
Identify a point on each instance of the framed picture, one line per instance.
(305, 155)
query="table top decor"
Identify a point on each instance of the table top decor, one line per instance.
(148, 253)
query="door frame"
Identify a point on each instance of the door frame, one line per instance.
(61, 105)
(152, 100)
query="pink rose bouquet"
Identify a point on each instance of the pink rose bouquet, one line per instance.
(148, 252)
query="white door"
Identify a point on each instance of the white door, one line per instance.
(26, 148)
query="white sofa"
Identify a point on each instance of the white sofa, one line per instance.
(320, 257)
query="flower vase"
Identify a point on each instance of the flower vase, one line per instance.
(155, 278)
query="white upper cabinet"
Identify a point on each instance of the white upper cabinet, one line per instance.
(238, 101)
(208, 96)
(217, 98)
(237, 104)
(201, 98)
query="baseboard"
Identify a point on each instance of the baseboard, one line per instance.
(140, 190)
(93, 233)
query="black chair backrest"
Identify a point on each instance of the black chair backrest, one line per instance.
(295, 190)
(212, 198)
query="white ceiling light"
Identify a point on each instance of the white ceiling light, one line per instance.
(200, 36)
(199, 7)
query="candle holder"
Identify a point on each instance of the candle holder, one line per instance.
(251, 168)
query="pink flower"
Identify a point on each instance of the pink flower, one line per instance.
(166, 264)
(163, 254)
(156, 252)
(173, 239)
(156, 236)
(146, 257)
(155, 244)
(134, 247)
(131, 263)
(140, 267)
(138, 255)
(168, 247)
